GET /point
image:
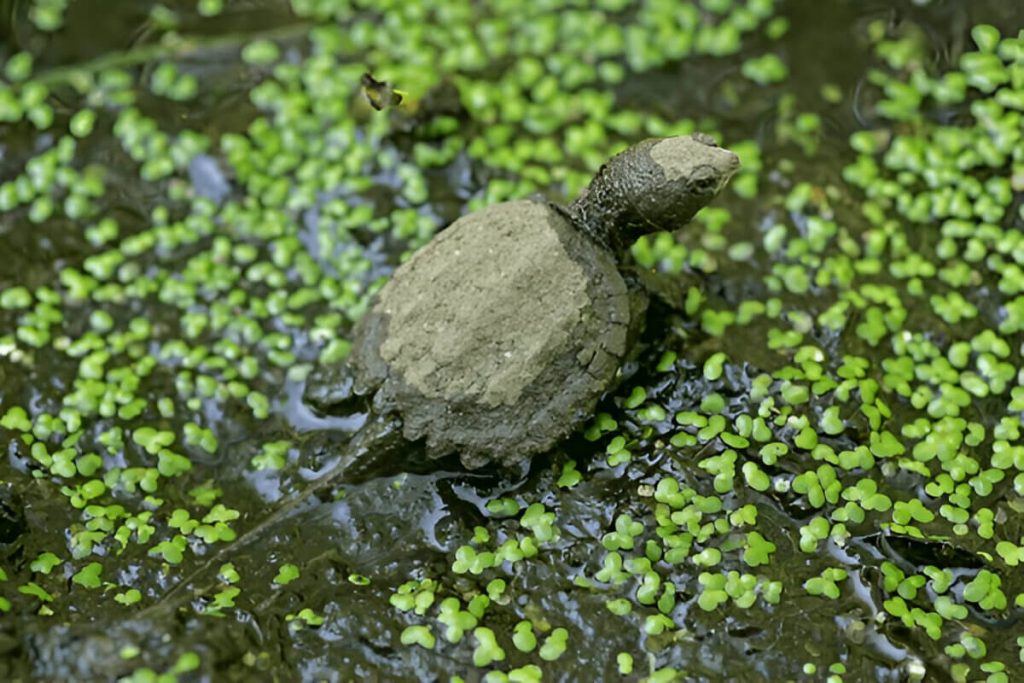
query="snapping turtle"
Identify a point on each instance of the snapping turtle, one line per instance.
(496, 340)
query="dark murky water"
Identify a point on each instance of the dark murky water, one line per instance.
(393, 531)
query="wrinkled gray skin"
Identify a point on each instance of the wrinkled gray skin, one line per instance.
(496, 340)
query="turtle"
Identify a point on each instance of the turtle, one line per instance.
(496, 340)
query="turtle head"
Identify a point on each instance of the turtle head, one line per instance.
(657, 184)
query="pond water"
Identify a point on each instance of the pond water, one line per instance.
(812, 469)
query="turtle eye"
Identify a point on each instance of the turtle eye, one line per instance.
(704, 184)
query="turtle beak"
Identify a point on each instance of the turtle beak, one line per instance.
(732, 167)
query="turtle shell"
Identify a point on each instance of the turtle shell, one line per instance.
(496, 339)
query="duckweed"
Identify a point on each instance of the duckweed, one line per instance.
(845, 342)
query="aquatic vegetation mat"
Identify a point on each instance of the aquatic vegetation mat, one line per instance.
(814, 470)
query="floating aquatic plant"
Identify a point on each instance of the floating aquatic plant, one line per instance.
(842, 383)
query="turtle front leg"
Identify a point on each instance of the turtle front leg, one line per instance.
(668, 288)
(330, 390)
